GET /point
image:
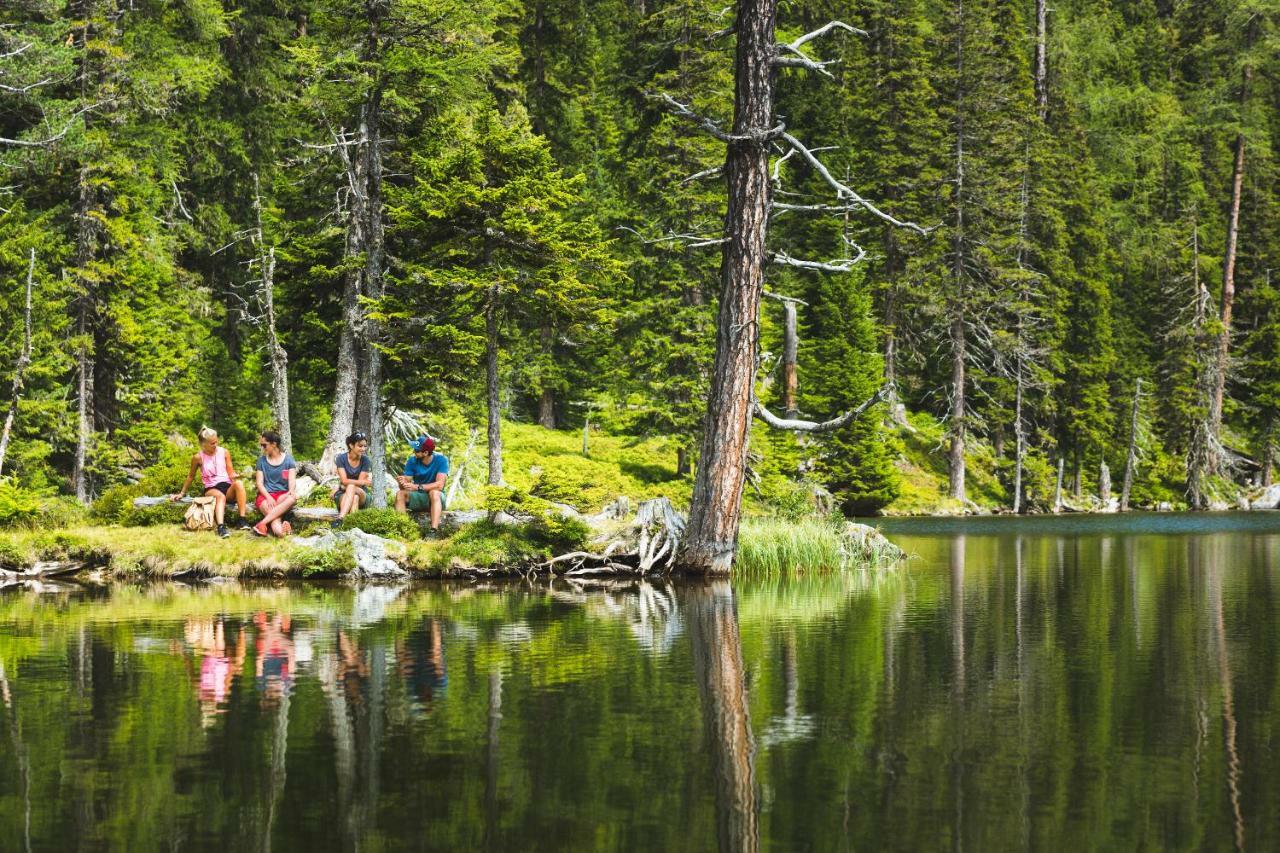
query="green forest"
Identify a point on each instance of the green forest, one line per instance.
(1043, 239)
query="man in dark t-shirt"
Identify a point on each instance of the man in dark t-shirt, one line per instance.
(422, 483)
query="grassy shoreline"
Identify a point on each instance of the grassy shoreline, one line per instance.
(767, 547)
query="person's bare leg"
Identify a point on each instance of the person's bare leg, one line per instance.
(219, 505)
(277, 527)
(282, 506)
(402, 501)
(437, 508)
(242, 500)
(349, 502)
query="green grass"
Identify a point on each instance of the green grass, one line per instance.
(549, 464)
(775, 546)
(925, 475)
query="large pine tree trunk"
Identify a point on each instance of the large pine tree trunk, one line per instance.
(86, 250)
(956, 470)
(491, 386)
(547, 396)
(346, 372)
(1131, 459)
(790, 354)
(1229, 258)
(20, 369)
(373, 289)
(276, 355)
(712, 532)
(1042, 81)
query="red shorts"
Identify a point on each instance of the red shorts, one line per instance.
(275, 496)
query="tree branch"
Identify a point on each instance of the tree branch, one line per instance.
(44, 143)
(820, 426)
(843, 191)
(713, 128)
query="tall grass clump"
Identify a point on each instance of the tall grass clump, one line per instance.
(813, 544)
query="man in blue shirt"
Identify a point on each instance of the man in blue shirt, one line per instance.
(422, 483)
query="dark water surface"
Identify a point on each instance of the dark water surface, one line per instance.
(1070, 684)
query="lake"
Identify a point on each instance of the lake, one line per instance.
(1054, 683)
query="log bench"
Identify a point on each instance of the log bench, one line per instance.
(451, 518)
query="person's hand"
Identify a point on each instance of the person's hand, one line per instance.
(175, 497)
(268, 503)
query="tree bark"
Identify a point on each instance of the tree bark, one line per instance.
(1057, 489)
(714, 514)
(85, 302)
(491, 386)
(956, 466)
(373, 290)
(20, 369)
(1042, 82)
(547, 396)
(279, 359)
(1131, 459)
(1020, 445)
(790, 352)
(343, 408)
(1229, 258)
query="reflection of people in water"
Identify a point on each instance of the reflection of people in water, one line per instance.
(219, 665)
(353, 668)
(275, 658)
(420, 661)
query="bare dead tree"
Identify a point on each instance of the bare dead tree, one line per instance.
(790, 352)
(20, 369)
(1229, 257)
(1131, 459)
(278, 358)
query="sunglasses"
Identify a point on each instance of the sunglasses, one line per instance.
(358, 436)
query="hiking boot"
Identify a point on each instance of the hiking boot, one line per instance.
(336, 524)
(223, 531)
(244, 524)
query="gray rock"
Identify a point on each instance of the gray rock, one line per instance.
(372, 562)
(1269, 499)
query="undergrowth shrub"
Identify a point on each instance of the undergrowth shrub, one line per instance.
(324, 562)
(18, 506)
(383, 522)
(560, 533)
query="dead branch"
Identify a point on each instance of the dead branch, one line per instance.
(712, 127)
(44, 143)
(842, 190)
(714, 171)
(781, 298)
(820, 426)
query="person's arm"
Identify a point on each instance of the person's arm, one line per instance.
(435, 486)
(290, 477)
(191, 475)
(259, 480)
(405, 481)
(231, 469)
(366, 472)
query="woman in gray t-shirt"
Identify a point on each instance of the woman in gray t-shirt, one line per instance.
(355, 475)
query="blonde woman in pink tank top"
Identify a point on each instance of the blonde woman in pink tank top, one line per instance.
(218, 476)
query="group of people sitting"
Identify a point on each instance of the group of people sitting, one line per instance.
(420, 487)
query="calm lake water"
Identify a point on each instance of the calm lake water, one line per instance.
(1022, 684)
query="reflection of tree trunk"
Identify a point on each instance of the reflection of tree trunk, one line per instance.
(492, 764)
(957, 689)
(279, 768)
(1228, 700)
(330, 671)
(722, 685)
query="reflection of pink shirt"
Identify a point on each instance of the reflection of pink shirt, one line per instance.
(213, 469)
(213, 677)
